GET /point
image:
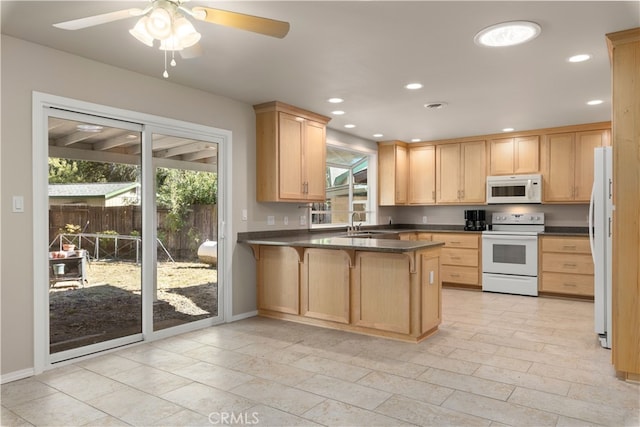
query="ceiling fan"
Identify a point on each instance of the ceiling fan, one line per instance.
(165, 20)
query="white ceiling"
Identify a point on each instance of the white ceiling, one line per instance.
(366, 51)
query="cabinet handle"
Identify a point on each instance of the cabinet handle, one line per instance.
(569, 247)
(573, 285)
(455, 275)
(455, 257)
(433, 194)
(570, 264)
(455, 243)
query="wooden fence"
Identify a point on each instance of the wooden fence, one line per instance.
(200, 224)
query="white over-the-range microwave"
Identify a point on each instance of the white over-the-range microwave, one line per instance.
(514, 189)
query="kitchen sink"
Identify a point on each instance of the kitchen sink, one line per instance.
(371, 234)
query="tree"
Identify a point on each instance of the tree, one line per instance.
(178, 189)
(68, 171)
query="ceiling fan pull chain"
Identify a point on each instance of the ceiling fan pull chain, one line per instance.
(165, 74)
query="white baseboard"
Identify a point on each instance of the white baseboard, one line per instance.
(243, 316)
(17, 375)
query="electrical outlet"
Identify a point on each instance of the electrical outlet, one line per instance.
(390, 220)
(424, 219)
(271, 220)
(286, 220)
(303, 220)
(245, 215)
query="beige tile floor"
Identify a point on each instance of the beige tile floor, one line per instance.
(497, 360)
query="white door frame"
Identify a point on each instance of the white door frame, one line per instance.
(42, 103)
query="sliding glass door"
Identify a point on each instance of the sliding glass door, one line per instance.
(94, 240)
(130, 239)
(186, 246)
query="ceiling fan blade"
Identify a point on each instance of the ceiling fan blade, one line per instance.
(256, 24)
(191, 52)
(90, 21)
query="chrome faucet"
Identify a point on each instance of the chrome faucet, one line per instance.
(353, 228)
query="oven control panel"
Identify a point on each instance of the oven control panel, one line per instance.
(531, 218)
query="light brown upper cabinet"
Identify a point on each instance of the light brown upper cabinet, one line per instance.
(568, 165)
(392, 173)
(509, 156)
(290, 154)
(461, 172)
(422, 175)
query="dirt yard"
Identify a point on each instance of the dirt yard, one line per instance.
(110, 304)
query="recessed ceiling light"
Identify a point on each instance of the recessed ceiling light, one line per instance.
(580, 58)
(595, 102)
(337, 112)
(413, 86)
(89, 128)
(378, 135)
(435, 105)
(335, 100)
(508, 130)
(507, 34)
(416, 140)
(349, 126)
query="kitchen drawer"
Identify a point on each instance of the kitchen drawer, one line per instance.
(455, 274)
(567, 263)
(566, 245)
(452, 256)
(574, 284)
(458, 240)
(407, 236)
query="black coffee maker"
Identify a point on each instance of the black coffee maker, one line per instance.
(474, 220)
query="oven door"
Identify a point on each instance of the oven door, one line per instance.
(510, 254)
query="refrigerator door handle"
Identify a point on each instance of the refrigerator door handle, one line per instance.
(591, 236)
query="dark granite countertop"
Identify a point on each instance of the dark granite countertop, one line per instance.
(383, 237)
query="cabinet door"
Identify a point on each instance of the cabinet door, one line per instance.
(447, 173)
(325, 285)
(382, 292)
(501, 156)
(402, 166)
(422, 175)
(559, 176)
(526, 154)
(474, 172)
(315, 152)
(392, 174)
(291, 175)
(585, 144)
(278, 282)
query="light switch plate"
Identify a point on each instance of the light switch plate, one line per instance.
(271, 220)
(245, 215)
(286, 220)
(18, 204)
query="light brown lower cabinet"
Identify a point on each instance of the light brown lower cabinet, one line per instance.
(566, 266)
(460, 259)
(324, 285)
(394, 295)
(278, 283)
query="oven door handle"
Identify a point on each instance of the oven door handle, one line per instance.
(508, 237)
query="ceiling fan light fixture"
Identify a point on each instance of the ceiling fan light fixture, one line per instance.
(139, 31)
(185, 32)
(158, 23)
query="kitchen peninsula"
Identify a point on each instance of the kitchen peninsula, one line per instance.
(376, 286)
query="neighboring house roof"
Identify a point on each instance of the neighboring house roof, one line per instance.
(104, 190)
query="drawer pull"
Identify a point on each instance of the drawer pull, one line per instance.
(570, 265)
(571, 247)
(455, 275)
(455, 243)
(573, 285)
(455, 257)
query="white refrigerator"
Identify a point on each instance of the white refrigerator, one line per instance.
(600, 231)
